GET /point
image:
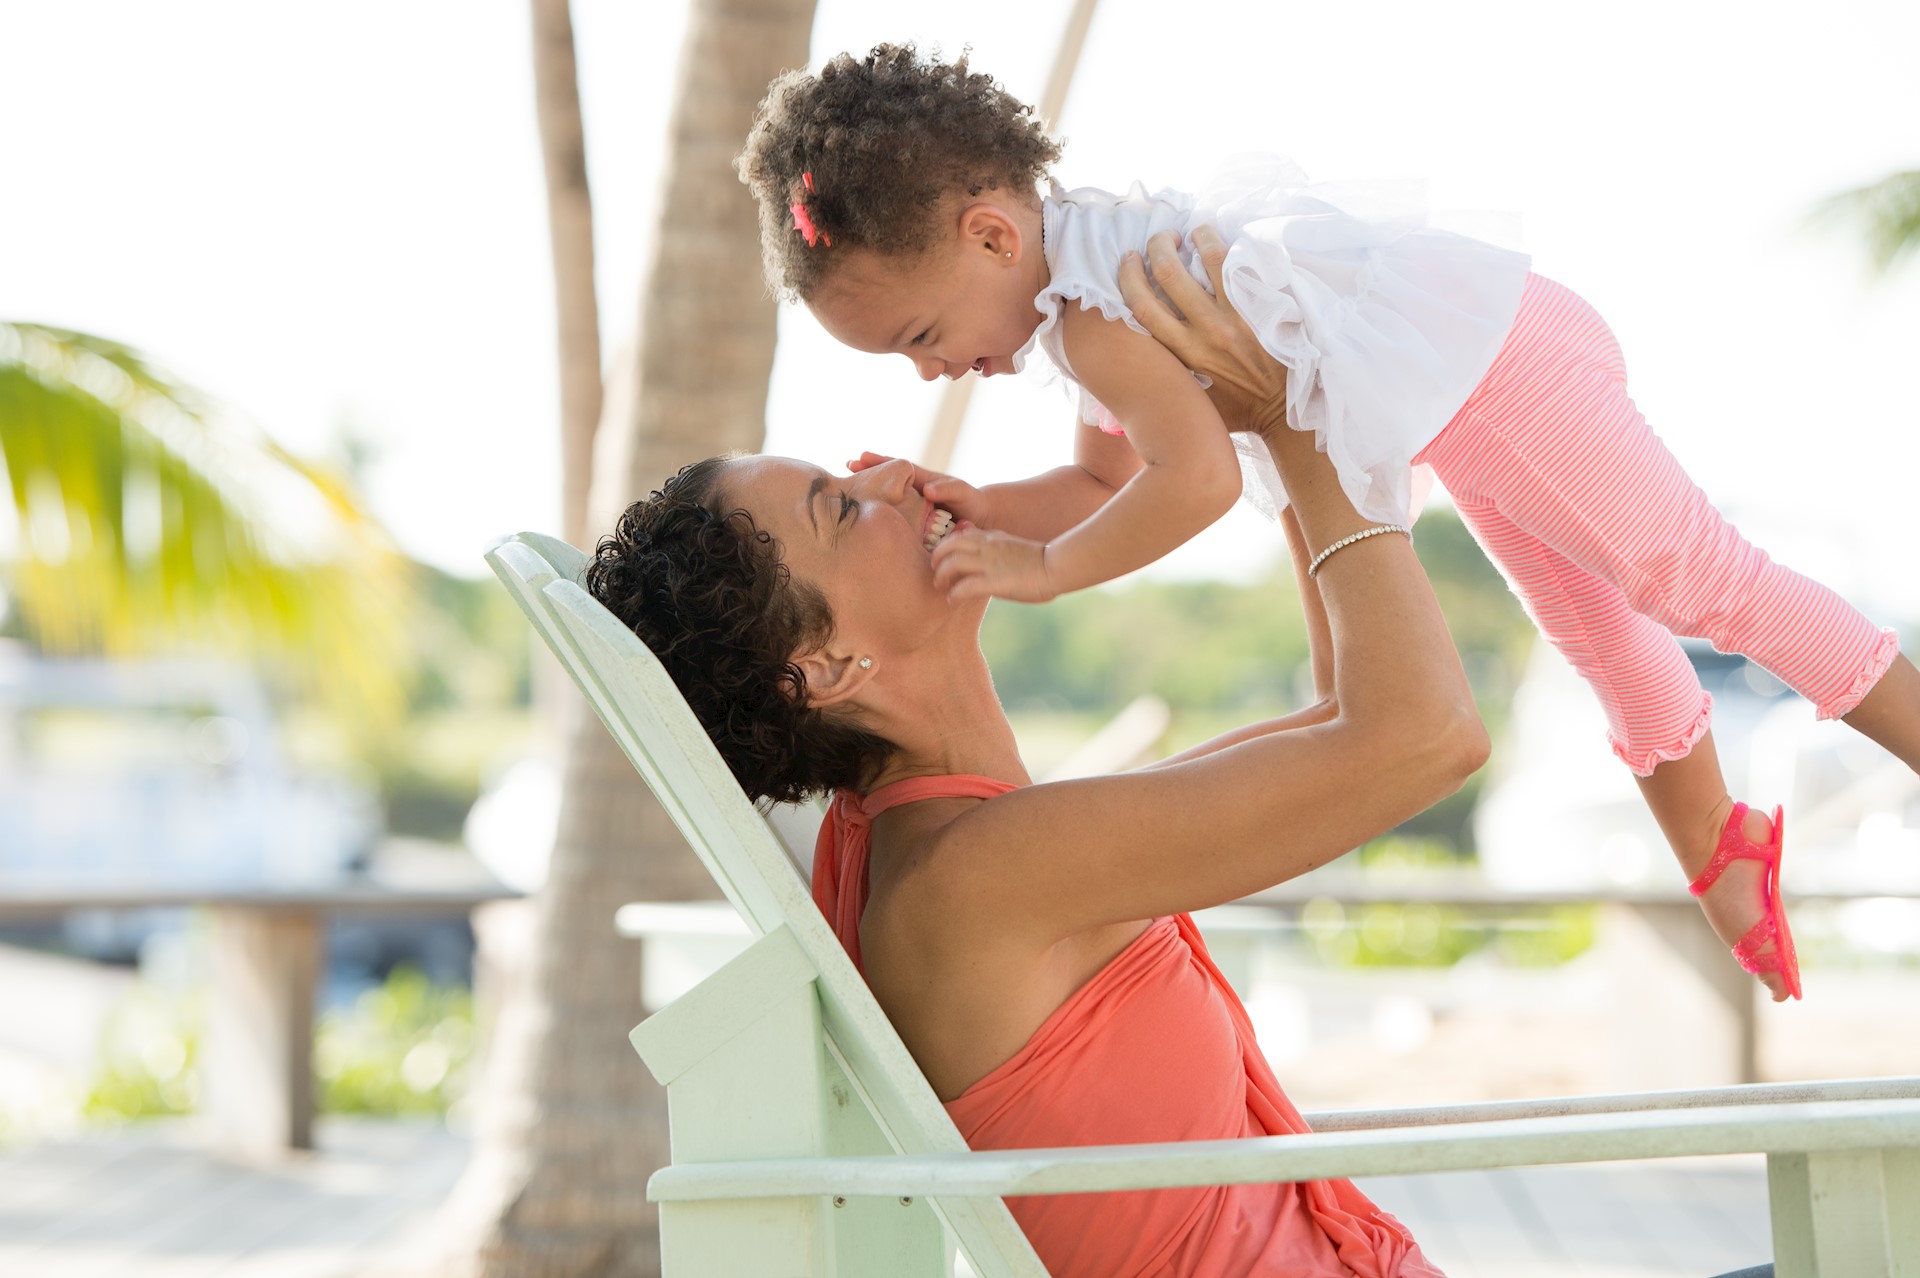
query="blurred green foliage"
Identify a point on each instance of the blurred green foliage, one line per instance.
(1207, 646)
(403, 1047)
(147, 1058)
(468, 710)
(146, 519)
(1421, 934)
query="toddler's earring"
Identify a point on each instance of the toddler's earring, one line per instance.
(866, 663)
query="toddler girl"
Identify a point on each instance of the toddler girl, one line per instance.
(899, 200)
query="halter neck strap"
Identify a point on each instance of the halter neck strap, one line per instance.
(846, 837)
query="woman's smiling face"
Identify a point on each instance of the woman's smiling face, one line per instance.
(858, 539)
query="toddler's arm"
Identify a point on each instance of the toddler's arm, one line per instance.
(1044, 506)
(1041, 506)
(1184, 475)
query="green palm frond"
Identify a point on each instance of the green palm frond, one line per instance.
(145, 523)
(1887, 210)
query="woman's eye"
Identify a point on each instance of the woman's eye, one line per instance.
(847, 505)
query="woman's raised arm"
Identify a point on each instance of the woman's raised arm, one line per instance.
(1403, 734)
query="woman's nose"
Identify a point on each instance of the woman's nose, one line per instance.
(890, 480)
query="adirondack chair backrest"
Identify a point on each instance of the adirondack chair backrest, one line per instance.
(653, 725)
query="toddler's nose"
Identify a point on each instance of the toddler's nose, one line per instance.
(929, 368)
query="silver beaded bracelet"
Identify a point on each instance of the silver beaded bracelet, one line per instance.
(1350, 538)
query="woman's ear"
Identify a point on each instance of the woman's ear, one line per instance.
(990, 228)
(833, 676)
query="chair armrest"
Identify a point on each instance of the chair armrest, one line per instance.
(1746, 1129)
(1833, 1089)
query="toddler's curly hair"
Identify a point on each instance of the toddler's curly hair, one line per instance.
(886, 138)
(705, 590)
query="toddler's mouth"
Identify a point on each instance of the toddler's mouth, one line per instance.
(939, 524)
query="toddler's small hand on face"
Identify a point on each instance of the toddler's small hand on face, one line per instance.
(956, 496)
(976, 562)
(868, 460)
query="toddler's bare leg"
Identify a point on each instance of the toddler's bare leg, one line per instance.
(1688, 797)
(1890, 712)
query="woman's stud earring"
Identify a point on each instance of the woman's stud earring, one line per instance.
(1008, 253)
(866, 663)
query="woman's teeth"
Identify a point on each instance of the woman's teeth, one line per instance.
(938, 527)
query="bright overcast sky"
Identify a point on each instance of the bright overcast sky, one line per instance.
(332, 217)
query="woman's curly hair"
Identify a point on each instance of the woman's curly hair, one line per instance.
(885, 139)
(706, 591)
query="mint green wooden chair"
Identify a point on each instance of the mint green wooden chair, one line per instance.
(806, 1143)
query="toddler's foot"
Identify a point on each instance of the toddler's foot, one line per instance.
(1738, 898)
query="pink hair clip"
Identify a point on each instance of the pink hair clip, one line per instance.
(803, 221)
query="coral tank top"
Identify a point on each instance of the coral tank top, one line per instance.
(1155, 1047)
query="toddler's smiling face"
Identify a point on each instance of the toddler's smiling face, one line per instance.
(964, 304)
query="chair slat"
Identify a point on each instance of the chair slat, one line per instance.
(758, 871)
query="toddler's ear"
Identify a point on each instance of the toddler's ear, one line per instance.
(990, 227)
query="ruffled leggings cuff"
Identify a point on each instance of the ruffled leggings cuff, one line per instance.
(1644, 761)
(1883, 654)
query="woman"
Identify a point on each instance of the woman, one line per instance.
(1030, 942)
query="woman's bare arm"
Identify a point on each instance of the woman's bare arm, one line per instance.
(1056, 860)
(1320, 658)
(1313, 609)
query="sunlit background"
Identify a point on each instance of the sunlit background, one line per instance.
(332, 219)
(316, 236)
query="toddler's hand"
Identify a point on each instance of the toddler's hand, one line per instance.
(978, 562)
(955, 496)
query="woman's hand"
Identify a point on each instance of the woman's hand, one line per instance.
(1206, 333)
(955, 496)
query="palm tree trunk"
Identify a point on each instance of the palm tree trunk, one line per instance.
(570, 224)
(571, 1125)
(706, 324)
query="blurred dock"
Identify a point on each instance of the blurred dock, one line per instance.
(153, 1201)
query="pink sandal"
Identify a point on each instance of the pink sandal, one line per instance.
(1734, 845)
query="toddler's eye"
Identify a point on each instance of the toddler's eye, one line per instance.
(921, 339)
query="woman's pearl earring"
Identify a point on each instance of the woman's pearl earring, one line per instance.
(866, 663)
(1008, 253)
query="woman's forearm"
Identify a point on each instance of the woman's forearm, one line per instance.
(1306, 717)
(1398, 673)
(1312, 609)
(1398, 681)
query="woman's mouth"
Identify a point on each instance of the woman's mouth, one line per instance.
(939, 524)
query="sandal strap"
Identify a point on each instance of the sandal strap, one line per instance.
(1747, 953)
(1733, 846)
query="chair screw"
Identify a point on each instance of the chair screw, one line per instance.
(906, 1202)
(839, 1200)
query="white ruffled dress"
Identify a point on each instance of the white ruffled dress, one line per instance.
(1386, 324)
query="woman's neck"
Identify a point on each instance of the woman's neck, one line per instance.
(953, 725)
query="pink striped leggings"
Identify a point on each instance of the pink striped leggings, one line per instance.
(1613, 550)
